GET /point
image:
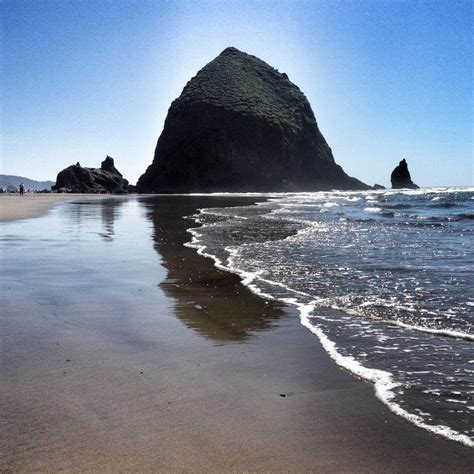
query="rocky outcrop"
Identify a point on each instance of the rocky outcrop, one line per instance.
(377, 187)
(401, 178)
(106, 179)
(240, 125)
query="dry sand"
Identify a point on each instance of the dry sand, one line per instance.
(194, 383)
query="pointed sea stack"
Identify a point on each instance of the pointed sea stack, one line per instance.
(106, 179)
(401, 178)
(240, 125)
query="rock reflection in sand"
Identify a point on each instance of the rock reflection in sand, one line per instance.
(110, 211)
(211, 301)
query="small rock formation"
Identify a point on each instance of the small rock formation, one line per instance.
(106, 179)
(377, 187)
(240, 125)
(401, 178)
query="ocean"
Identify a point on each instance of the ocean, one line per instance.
(384, 280)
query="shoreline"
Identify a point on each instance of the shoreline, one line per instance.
(381, 381)
(189, 389)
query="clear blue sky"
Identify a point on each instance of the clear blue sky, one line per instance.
(386, 79)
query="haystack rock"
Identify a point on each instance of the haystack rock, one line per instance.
(106, 179)
(401, 178)
(240, 125)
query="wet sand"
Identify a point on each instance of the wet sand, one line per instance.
(196, 374)
(14, 206)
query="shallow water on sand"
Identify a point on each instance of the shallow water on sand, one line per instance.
(86, 265)
(105, 264)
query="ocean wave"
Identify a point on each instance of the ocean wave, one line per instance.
(244, 257)
(374, 210)
(398, 206)
(444, 205)
(384, 384)
(463, 217)
(383, 381)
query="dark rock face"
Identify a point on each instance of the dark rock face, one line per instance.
(240, 125)
(106, 179)
(401, 178)
(377, 187)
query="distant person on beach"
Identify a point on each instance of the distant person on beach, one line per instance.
(22, 189)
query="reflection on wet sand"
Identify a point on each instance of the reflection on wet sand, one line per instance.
(110, 209)
(109, 212)
(211, 301)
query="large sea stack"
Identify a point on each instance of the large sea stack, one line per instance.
(240, 125)
(106, 179)
(401, 178)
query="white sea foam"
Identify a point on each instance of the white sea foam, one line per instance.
(326, 194)
(374, 210)
(440, 332)
(382, 380)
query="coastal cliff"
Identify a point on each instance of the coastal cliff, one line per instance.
(106, 179)
(240, 125)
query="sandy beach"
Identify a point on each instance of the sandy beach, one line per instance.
(151, 359)
(15, 207)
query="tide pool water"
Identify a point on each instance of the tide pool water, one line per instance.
(384, 279)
